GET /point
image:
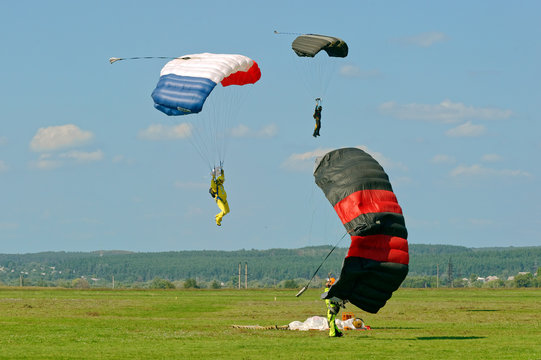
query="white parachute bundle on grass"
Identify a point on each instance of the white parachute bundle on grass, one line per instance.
(320, 323)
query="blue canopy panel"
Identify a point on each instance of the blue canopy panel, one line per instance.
(181, 95)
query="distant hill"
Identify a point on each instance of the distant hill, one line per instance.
(267, 266)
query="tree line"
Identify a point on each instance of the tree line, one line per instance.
(429, 267)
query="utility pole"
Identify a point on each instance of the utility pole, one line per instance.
(246, 276)
(450, 273)
(239, 274)
(113, 281)
(437, 275)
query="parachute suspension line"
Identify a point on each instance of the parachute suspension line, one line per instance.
(316, 73)
(115, 59)
(210, 127)
(312, 206)
(224, 104)
(198, 149)
(200, 152)
(320, 265)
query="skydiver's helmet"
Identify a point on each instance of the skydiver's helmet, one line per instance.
(358, 323)
(319, 108)
(330, 282)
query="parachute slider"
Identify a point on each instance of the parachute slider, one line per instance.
(184, 110)
(285, 33)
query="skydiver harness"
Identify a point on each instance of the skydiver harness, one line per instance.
(333, 306)
(215, 194)
(317, 113)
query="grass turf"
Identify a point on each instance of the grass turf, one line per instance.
(197, 324)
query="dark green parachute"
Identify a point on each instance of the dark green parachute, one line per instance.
(310, 44)
(377, 261)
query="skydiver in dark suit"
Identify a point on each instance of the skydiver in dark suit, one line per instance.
(317, 117)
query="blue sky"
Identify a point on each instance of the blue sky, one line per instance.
(445, 95)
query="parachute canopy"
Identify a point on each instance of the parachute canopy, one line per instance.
(360, 192)
(186, 82)
(310, 44)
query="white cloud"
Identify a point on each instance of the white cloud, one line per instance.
(157, 132)
(244, 131)
(443, 159)
(240, 131)
(402, 180)
(385, 162)
(444, 112)
(491, 158)
(480, 170)
(194, 211)
(51, 161)
(481, 222)
(58, 137)
(305, 161)
(118, 159)
(191, 185)
(3, 166)
(466, 130)
(8, 226)
(426, 39)
(354, 71)
(45, 162)
(82, 156)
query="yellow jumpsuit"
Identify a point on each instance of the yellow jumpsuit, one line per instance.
(332, 310)
(217, 188)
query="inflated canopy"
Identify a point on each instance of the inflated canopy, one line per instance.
(186, 82)
(310, 44)
(360, 192)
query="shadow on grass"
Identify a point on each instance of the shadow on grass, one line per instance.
(395, 328)
(482, 310)
(449, 337)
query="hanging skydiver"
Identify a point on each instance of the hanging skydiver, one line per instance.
(218, 193)
(317, 117)
(333, 308)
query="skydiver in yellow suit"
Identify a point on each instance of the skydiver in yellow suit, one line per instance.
(333, 308)
(217, 191)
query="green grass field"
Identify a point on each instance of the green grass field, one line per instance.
(197, 324)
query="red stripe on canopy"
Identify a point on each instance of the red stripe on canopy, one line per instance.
(243, 77)
(365, 202)
(380, 248)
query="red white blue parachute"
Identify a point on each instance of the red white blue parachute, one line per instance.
(187, 81)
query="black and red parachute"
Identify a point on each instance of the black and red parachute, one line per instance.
(360, 192)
